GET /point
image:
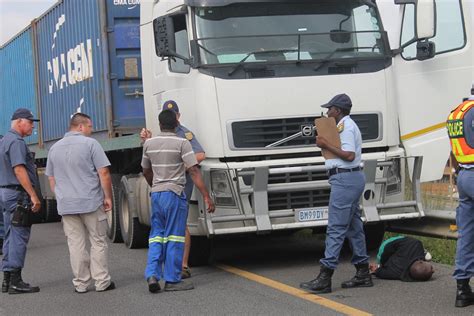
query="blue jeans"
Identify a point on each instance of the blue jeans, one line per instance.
(16, 238)
(166, 241)
(344, 219)
(465, 221)
(2, 228)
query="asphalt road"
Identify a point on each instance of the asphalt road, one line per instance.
(252, 276)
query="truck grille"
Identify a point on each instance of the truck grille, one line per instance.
(258, 134)
(297, 199)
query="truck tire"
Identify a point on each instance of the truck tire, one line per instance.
(134, 234)
(51, 211)
(374, 234)
(201, 251)
(113, 221)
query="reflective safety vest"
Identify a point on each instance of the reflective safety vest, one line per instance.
(463, 152)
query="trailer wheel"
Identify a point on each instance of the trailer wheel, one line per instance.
(113, 221)
(374, 235)
(134, 234)
(51, 211)
(201, 251)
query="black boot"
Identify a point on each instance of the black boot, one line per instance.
(322, 284)
(6, 281)
(361, 279)
(17, 286)
(464, 295)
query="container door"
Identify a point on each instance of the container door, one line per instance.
(123, 28)
(428, 90)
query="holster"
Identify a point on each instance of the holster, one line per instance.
(21, 215)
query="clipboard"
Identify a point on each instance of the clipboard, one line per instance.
(326, 127)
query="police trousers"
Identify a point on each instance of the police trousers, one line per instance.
(344, 219)
(78, 228)
(464, 264)
(166, 240)
(15, 238)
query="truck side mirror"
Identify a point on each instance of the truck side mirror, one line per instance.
(340, 36)
(425, 17)
(425, 50)
(165, 44)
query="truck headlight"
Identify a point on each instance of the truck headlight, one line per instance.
(221, 188)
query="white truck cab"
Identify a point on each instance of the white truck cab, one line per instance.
(250, 76)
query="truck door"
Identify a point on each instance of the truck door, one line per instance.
(427, 90)
(123, 29)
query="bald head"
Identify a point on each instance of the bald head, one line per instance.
(421, 270)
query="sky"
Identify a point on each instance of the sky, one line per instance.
(15, 15)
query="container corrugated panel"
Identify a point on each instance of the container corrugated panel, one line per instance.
(17, 78)
(71, 66)
(123, 28)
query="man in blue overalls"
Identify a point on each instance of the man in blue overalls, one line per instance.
(183, 132)
(347, 184)
(17, 182)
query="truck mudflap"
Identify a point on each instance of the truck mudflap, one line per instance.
(374, 206)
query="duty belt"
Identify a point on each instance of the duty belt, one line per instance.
(15, 187)
(334, 171)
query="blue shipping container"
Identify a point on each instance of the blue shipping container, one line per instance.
(89, 61)
(17, 77)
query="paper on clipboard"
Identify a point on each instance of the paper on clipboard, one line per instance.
(326, 127)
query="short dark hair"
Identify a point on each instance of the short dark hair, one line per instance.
(78, 119)
(167, 119)
(345, 112)
(421, 270)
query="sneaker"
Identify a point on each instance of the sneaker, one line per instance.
(80, 291)
(185, 273)
(180, 286)
(153, 285)
(108, 288)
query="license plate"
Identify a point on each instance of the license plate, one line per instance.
(311, 214)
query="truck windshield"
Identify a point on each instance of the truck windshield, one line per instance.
(279, 32)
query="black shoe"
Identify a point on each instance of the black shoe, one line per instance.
(17, 286)
(153, 285)
(322, 284)
(180, 286)
(363, 278)
(6, 281)
(109, 288)
(464, 295)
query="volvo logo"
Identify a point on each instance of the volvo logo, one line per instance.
(307, 130)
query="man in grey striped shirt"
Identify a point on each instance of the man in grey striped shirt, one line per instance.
(165, 161)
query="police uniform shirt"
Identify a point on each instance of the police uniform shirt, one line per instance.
(183, 132)
(168, 156)
(351, 140)
(15, 152)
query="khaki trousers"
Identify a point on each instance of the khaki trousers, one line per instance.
(84, 266)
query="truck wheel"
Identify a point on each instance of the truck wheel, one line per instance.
(113, 228)
(134, 234)
(51, 211)
(374, 235)
(201, 250)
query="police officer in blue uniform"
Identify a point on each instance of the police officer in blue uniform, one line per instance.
(347, 182)
(183, 132)
(17, 182)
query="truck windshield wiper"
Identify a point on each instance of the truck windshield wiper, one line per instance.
(326, 59)
(242, 61)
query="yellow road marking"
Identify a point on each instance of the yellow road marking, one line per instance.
(341, 308)
(423, 131)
